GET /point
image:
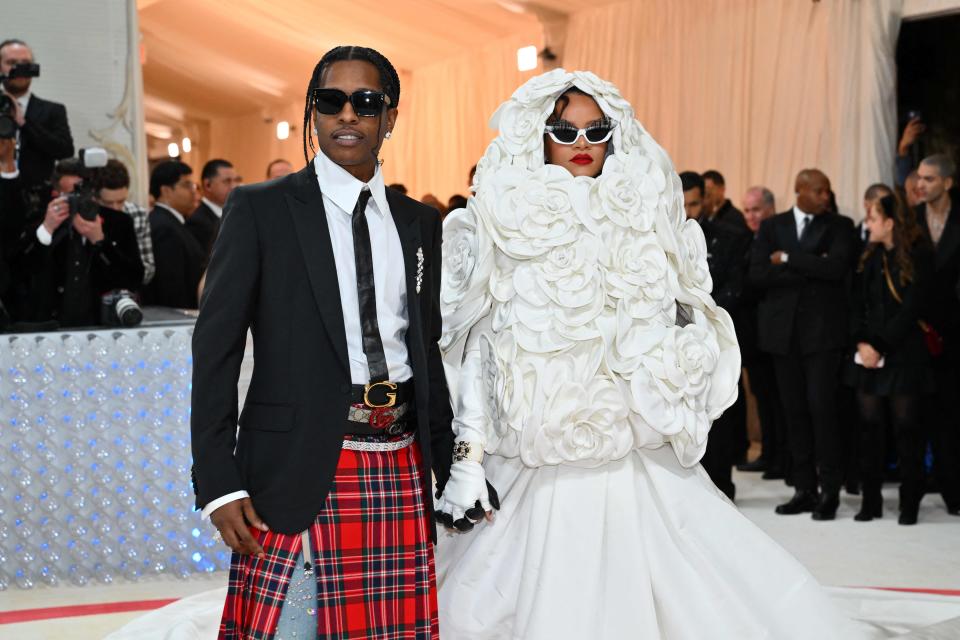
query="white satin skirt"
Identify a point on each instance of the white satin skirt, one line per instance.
(638, 548)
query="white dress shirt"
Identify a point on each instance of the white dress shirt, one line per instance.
(176, 214)
(340, 194)
(802, 219)
(217, 209)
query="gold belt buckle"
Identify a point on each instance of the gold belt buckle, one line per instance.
(391, 397)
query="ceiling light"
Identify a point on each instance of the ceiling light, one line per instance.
(527, 58)
(173, 150)
(283, 130)
(187, 145)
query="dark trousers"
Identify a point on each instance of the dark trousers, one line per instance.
(773, 428)
(902, 412)
(943, 425)
(724, 445)
(808, 389)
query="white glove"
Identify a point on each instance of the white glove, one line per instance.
(466, 496)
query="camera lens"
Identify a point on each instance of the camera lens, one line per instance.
(128, 312)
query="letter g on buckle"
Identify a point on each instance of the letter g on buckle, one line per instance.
(391, 397)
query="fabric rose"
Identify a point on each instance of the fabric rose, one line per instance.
(508, 391)
(521, 127)
(534, 211)
(584, 424)
(628, 191)
(467, 265)
(670, 389)
(693, 269)
(542, 88)
(637, 274)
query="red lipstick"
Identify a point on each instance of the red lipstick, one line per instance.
(582, 159)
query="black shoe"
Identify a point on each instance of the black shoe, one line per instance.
(751, 467)
(908, 514)
(852, 488)
(773, 474)
(800, 502)
(871, 507)
(826, 508)
(953, 509)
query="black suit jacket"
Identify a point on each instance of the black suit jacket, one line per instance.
(44, 139)
(943, 308)
(728, 253)
(204, 225)
(179, 260)
(273, 271)
(804, 306)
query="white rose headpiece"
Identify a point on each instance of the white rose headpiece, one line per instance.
(577, 265)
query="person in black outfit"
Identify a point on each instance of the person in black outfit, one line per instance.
(77, 260)
(718, 209)
(44, 134)
(774, 461)
(727, 251)
(801, 258)
(178, 256)
(939, 215)
(894, 369)
(217, 180)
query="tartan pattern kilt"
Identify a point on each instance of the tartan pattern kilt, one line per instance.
(372, 556)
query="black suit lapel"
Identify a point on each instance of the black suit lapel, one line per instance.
(411, 242)
(787, 232)
(950, 239)
(816, 228)
(310, 220)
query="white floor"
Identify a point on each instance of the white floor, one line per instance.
(842, 553)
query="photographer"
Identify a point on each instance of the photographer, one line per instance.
(111, 186)
(81, 251)
(42, 131)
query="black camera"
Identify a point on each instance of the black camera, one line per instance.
(81, 200)
(8, 124)
(119, 309)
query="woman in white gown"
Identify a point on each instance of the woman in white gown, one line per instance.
(587, 360)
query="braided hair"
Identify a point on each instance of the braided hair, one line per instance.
(389, 80)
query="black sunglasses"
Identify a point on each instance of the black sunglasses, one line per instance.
(366, 104)
(565, 134)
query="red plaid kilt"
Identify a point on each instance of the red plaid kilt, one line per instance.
(373, 559)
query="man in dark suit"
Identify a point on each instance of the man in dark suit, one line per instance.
(801, 258)
(774, 461)
(339, 280)
(727, 252)
(717, 208)
(217, 180)
(939, 214)
(44, 134)
(177, 254)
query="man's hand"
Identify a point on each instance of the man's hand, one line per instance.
(57, 211)
(233, 520)
(92, 230)
(868, 355)
(18, 115)
(776, 257)
(911, 132)
(8, 147)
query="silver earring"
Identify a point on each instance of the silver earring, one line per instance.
(388, 134)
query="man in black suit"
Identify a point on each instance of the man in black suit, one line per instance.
(217, 180)
(801, 258)
(177, 254)
(339, 280)
(44, 134)
(774, 461)
(77, 259)
(728, 248)
(939, 214)
(717, 208)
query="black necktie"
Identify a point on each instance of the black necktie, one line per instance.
(804, 226)
(367, 293)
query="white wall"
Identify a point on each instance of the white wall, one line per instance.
(87, 51)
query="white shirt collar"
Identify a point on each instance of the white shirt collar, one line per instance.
(24, 102)
(176, 214)
(344, 190)
(217, 210)
(799, 215)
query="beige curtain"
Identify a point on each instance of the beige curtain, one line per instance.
(442, 129)
(757, 89)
